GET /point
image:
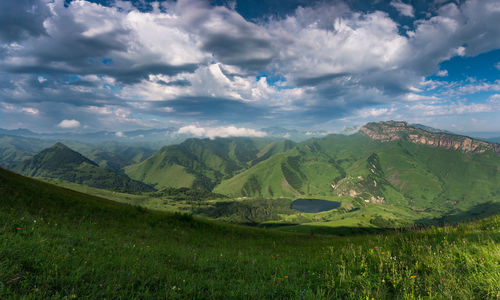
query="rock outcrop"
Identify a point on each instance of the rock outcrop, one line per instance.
(394, 130)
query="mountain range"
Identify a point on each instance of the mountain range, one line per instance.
(398, 169)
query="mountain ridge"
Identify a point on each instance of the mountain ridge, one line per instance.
(387, 131)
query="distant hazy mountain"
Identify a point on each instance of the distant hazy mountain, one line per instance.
(60, 162)
(14, 149)
(111, 155)
(150, 137)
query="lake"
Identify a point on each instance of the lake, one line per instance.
(314, 205)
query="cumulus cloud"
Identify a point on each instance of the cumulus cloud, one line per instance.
(188, 59)
(403, 8)
(221, 131)
(68, 124)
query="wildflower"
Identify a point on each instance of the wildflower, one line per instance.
(286, 277)
(100, 285)
(73, 296)
(413, 276)
(442, 280)
(18, 228)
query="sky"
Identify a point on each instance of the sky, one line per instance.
(238, 66)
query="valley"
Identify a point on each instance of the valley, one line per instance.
(388, 175)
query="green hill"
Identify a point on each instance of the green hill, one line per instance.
(359, 170)
(60, 244)
(60, 162)
(202, 163)
(307, 169)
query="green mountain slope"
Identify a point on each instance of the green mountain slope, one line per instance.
(308, 169)
(399, 172)
(60, 162)
(60, 244)
(202, 163)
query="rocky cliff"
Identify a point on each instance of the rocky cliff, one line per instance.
(394, 130)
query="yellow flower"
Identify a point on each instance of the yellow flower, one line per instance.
(413, 276)
(286, 277)
(73, 296)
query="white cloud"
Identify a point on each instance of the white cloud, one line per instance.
(13, 108)
(120, 134)
(403, 8)
(221, 131)
(374, 112)
(497, 65)
(68, 124)
(30, 110)
(476, 87)
(329, 58)
(459, 108)
(442, 73)
(417, 97)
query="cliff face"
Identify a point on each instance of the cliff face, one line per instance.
(393, 130)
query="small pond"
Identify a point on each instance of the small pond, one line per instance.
(314, 205)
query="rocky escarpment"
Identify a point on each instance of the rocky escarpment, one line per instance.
(394, 130)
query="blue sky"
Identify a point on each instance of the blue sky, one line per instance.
(198, 65)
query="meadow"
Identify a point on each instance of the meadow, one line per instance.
(62, 244)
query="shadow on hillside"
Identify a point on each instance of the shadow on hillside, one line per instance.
(479, 211)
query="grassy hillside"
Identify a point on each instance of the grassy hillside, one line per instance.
(58, 244)
(307, 169)
(201, 163)
(60, 162)
(397, 173)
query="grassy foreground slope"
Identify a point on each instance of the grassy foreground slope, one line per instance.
(57, 243)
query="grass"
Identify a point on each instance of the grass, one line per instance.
(58, 243)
